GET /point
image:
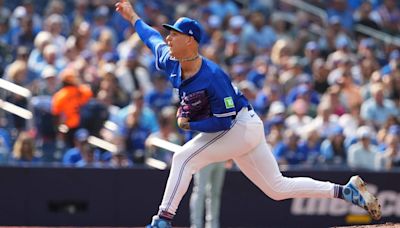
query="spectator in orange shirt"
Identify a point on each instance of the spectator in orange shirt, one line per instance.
(67, 102)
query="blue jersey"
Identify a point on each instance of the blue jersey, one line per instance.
(225, 99)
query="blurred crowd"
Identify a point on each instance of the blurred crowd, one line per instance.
(328, 93)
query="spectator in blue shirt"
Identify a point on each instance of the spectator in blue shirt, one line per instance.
(290, 151)
(333, 150)
(73, 155)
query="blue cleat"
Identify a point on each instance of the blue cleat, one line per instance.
(158, 222)
(355, 191)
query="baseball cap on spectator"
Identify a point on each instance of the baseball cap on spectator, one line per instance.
(276, 108)
(303, 79)
(236, 21)
(238, 69)
(335, 130)
(312, 46)
(55, 19)
(394, 130)
(19, 12)
(186, 26)
(334, 20)
(367, 43)
(302, 90)
(48, 72)
(101, 12)
(214, 21)
(364, 132)
(341, 42)
(81, 135)
(87, 55)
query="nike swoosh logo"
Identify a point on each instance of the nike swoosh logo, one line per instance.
(173, 75)
(252, 115)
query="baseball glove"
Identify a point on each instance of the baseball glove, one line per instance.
(195, 106)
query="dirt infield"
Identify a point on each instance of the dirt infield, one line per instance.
(386, 225)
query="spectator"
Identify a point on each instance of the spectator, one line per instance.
(351, 121)
(48, 83)
(320, 76)
(364, 155)
(258, 36)
(120, 160)
(132, 76)
(377, 109)
(223, 8)
(259, 71)
(324, 122)
(290, 151)
(334, 98)
(138, 123)
(299, 119)
(89, 157)
(333, 149)
(73, 155)
(24, 149)
(387, 16)
(391, 153)
(363, 16)
(340, 9)
(68, 101)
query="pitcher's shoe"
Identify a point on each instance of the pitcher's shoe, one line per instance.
(158, 222)
(355, 191)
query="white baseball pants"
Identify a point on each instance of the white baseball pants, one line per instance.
(245, 144)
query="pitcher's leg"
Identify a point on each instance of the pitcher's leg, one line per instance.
(261, 168)
(204, 149)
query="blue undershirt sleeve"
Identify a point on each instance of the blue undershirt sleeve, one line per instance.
(212, 124)
(148, 35)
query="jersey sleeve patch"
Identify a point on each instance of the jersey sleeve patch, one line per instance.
(229, 102)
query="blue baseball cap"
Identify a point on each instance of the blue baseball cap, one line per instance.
(81, 134)
(394, 130)
(186, 26)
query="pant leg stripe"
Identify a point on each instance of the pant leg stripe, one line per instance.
(189, 158)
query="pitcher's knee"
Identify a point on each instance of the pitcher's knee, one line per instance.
(278, 190)
(184, 159)
(277, 196)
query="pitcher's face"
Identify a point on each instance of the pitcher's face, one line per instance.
(178, 43)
